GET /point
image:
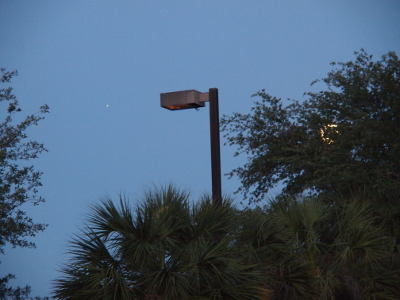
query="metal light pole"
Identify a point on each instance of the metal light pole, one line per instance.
(215, 147)
(194, 99)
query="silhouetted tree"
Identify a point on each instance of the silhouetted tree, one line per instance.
(164, 248)
(342, 138)
(18, 181)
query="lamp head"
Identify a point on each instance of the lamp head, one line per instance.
(182, 100)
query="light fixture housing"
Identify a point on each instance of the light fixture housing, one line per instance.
(183, 100)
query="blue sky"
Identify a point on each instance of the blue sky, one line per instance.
(80, 56)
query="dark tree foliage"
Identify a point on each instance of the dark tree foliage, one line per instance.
(18, 293)
(340, 139)
(164, 247)
(310, 249)
(18, 180)
(161, 248)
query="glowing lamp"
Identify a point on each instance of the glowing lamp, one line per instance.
(183, 99)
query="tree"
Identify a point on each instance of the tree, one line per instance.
(311, 249)
(18, 181)
(343, 138)
(164, 248)
(299, 248)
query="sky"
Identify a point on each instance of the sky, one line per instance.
(101, 66)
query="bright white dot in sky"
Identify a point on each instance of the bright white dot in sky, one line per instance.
(107, 105)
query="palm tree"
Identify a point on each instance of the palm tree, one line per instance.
(270, 239)
(336, 249)
(342, 247)
(164, 248)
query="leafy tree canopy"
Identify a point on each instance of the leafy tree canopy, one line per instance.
(18, 180)
(344, 137)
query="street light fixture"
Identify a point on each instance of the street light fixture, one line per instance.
(195, 99)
